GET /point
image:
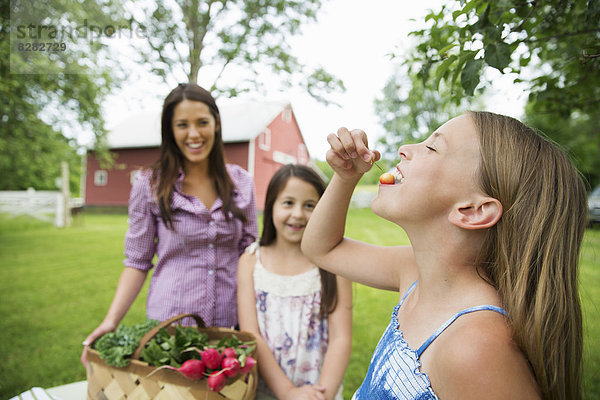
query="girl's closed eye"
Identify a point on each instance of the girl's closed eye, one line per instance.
(430, 148)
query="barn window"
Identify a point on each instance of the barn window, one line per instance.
(287, 115)
(100, 178)
(264, 140)
(302, 154)
(283, 158)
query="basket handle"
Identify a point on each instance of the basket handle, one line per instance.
(152, 332)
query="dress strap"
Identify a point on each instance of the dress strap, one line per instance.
(410, 289)
(452, 319)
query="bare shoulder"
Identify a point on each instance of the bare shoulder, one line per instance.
(246, 263)
(476, 357)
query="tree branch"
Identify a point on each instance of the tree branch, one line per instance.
(559, 36)
(214, 85)
(590, 56)
(241, 39)
(533, 5)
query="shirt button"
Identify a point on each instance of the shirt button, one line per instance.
(210, 245)
(211, 223)
(211, 272)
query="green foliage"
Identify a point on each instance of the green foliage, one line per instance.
(578, 135)
(31, 155)
(116, 348)
(50, 95)
(173, 350)
(552, 46)
(555, 43)
(243, 36)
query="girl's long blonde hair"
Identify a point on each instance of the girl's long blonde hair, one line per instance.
(531, 255)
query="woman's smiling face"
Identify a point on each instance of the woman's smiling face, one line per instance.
(194, 130)
(436, 174)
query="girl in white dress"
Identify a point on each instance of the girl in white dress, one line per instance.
(300, 314)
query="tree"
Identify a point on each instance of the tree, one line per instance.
(579, 135)
(551, 46)
(239, 38)
(51, 90)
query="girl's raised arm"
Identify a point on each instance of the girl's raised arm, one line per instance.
(323, 241)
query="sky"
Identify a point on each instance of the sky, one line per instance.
(352, 39)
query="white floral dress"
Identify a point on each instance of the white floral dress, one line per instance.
(287, 307)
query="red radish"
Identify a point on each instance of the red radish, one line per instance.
(387, 179)
(229, 352)
(216, 381)
(191, 369)
(212, 358)
(250, 362)
(231, 366)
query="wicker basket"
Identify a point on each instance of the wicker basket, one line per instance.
(106, 382)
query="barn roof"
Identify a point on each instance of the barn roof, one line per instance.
(241, 122)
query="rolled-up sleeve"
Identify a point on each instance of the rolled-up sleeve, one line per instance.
(140, 239)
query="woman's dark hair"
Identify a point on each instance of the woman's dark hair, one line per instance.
(269, 233)
(166, 169)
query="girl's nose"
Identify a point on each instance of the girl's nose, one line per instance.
(404, 151)
(297, 211)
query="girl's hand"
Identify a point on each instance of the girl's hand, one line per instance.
(349, 155)
(306, 392)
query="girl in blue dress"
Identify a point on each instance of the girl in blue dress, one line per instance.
(488, 304)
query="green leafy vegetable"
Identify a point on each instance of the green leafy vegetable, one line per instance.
(165, 349)
(116, 348)
(242, 348)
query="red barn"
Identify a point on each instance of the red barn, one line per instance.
(260, 137)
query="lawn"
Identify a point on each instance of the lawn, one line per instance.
(56, 285)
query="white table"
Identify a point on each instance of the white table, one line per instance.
(70, 391)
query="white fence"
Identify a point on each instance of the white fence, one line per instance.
(45, 205)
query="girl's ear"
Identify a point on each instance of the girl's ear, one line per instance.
(480, 215)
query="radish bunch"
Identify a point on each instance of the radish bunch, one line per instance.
(216, 365)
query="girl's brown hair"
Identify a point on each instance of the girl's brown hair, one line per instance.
(269, 233)
(531, 255)
(166, 169)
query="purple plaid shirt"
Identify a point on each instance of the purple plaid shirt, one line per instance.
(196, 267)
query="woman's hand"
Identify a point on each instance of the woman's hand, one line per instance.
(349, 155)
(129, 286)
(103, 328)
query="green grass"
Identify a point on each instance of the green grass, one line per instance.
(56, 285)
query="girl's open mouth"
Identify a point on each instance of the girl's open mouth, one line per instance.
(391, 177)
